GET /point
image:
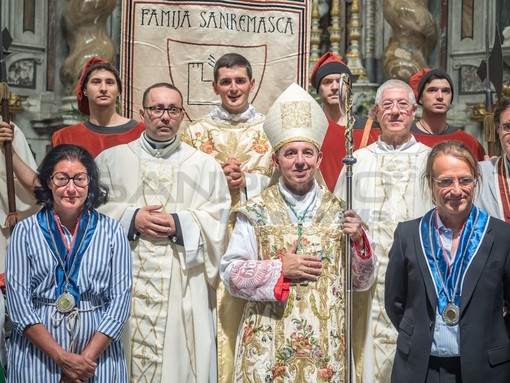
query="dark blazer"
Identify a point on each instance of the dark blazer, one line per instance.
(410, 301)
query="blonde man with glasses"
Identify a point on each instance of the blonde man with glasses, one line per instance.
(173, 201)
(386, 191)
(447, 279)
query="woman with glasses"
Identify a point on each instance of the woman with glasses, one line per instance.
(495, 192)
(69, 279)
(447, 280)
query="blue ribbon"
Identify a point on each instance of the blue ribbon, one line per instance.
(84, 234)
(472, 234)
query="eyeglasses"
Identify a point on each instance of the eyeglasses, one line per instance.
(505, 127)
(402, 105)
(158, 111)
(62, 179)
(448, 182)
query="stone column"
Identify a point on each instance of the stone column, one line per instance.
(414, 37)
(84, 29)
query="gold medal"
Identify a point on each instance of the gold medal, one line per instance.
(65, 303)
(451, 314)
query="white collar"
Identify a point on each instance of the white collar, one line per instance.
(300, 203)
(384, 147)
(222, 114)
(160, 149)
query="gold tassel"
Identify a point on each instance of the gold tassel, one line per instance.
(489, 128)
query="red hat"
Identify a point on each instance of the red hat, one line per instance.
(327, 64)
(83, 101)
(418, 80)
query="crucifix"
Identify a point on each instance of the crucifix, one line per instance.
(6, 41)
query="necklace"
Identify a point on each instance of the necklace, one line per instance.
(66, 302)
(68, 246)
(429, 131)
(451, 313)
(300, 219)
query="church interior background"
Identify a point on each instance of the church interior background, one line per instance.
(378, 39)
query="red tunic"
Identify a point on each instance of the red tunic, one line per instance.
(450, 134)
(96, 139)
(333, 150)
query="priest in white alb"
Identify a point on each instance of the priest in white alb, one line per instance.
(173, 201)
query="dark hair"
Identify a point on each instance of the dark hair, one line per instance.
(98, 193)
(160, 85)
(101, 65)
(231, 60)
(502, 105)
(450, 148)
(434, 74)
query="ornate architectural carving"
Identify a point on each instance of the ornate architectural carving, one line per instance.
(414, 37)
(84, 29)
(315, 34)
(353, 52)
(335, 29)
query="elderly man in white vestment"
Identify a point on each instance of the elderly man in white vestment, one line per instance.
(173, 201)
(285, 256)
(386, 190)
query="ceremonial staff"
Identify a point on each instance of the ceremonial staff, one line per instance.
(491, 69)
(346, 106)
(12, 217)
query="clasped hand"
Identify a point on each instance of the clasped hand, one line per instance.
(76, 368)
(151, 221)
(234, 174)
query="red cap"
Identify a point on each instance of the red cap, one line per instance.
(327, 64)
(418, 80)
(83, 101)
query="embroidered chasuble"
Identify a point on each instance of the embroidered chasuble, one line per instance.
(225, 136)
(301, 339)
(170, 334)
(242, 139)
(387, 189)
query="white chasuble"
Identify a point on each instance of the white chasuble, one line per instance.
(171, 331)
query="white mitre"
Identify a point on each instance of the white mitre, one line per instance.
(295, 116)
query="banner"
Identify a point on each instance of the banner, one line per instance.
(179, 42)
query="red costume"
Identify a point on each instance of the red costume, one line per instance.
(96, 139)
(451, 133)
(333, 150)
